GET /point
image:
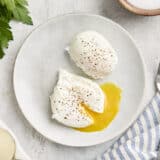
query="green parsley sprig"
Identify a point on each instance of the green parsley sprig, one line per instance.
(11, 10)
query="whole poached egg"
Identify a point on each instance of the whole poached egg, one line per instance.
(93, 54)
(71, 95)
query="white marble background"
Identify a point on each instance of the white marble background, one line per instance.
(146, 32)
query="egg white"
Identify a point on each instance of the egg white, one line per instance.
(93, 54)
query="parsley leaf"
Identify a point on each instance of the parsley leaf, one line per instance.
(21, 2)
(21, 14)
(11, 10)
(10, 4)
(1, 52)
(5, 15)
(5, 36)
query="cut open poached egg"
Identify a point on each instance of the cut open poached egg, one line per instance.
(69, 95)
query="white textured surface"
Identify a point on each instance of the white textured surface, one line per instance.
(145, 30)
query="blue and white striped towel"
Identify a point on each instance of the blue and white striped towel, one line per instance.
(142, 140)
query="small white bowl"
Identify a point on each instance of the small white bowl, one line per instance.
(140, 11)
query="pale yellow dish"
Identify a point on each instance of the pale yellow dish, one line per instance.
(7, 145)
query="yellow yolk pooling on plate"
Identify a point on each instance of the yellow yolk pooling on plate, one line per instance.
(111, 108)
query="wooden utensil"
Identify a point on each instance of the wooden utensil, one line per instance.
(136, 10)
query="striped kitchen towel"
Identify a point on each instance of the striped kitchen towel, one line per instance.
(142, 140)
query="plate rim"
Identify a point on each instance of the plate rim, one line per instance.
(140, 106)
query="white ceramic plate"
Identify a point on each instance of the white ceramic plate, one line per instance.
(40, 58)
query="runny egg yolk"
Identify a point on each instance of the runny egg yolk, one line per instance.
(111, 108)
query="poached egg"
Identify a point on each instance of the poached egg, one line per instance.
(71, 96)
(93, 54)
